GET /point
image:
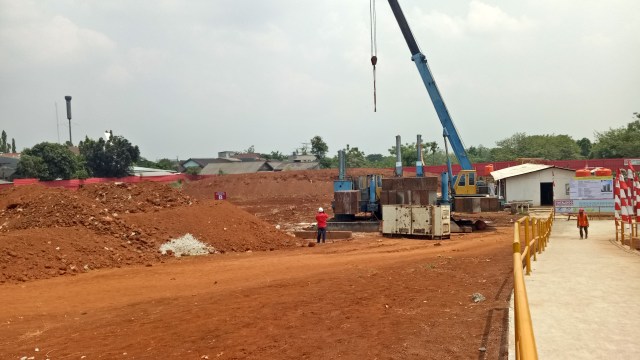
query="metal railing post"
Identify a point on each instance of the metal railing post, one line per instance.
(534, 239)
(526, 241)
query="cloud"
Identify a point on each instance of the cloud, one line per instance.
(480, 18)
(38, 38)
(487, 18)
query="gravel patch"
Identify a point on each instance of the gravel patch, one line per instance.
(186, 245)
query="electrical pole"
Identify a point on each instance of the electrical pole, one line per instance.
(68, 99)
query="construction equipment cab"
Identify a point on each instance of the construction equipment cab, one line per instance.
(465, 183)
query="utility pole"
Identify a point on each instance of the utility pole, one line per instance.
(68, 99)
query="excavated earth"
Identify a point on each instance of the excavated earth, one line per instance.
(81, 276)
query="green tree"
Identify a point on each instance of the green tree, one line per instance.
(31, 167)
(111, 158)
(13, 145)
(479, 154)
(354, 157)
(623, 142)
(585, 147)
(319, 148)
(408, 152)
(509, 148)
(167, 164)
(374, 158)
(3, 142)
(143, 162)
(195, 170)
(56, 162)
(432, 147)
(274, 156)
(81, 168)
(552, 147)
(520, 145)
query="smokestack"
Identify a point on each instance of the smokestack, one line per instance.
(398, 156)
(341, 165)
(68, 99)
(419, 172)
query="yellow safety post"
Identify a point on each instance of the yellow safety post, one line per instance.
(516, 264)
(534, 239)
(527, 251)
(543, 227)
(525, 342)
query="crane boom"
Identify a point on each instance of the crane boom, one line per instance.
(434, 93)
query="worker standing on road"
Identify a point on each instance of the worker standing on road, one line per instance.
(321, 218)
(583, 223)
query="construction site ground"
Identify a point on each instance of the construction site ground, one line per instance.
(81, 277)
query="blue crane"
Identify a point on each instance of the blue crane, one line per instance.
(465, 181)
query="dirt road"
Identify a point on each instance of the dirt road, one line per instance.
(369, 298)
(81, 278)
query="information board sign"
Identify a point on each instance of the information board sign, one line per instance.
(600, 187)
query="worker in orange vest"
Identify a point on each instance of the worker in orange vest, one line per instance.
(583, 223)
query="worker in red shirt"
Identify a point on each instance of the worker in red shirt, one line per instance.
(321, 218)
(583, 223)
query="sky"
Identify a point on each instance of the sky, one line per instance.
(184, 79)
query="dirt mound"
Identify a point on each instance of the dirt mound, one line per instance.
(43, 253)
(217, 223)
(135, 219)
(273, 184)
(279, 198)
(132, 198)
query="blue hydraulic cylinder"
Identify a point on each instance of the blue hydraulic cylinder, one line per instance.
(372, 194)
(444, 177)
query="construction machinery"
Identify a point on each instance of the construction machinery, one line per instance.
(465, 182)
(355, 195)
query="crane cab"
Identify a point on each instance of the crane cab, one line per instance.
(465, 183)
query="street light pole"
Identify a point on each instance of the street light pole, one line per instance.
(68, 99)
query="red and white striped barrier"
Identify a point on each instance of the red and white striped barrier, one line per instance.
(636, 189)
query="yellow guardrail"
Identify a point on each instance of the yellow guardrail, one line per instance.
(534, 240)
(627, 234)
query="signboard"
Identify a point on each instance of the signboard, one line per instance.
(632, 162)
(591, 188)
(591, 206)
(220, 195)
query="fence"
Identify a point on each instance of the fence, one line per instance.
(76, 183)
(530, 238)
(627, 234)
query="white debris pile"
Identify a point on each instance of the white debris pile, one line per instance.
(186, 245)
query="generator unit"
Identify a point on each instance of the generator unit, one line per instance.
(431, 221)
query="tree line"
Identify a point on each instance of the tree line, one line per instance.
(100, 158)
(114, 156)
(622, 142)
(5, 146)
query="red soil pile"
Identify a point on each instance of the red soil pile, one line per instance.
(47, 232)
(278, 197)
